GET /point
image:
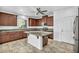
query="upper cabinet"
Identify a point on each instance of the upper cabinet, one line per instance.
(38, 22)
(8, 19)
(34, 22)
(50, 21)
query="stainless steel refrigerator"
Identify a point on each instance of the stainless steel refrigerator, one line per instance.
(76, 34)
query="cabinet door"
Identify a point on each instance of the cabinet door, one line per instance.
(24, 35)
(8, 19)
(20, 34)
(39, 23)
(3, 19)
(50, 21)
(4, 37)
(45, 40)
(32, 22)
(44, 19)
(12, 20)
(0, 38)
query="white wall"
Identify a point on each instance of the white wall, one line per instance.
(63, 24)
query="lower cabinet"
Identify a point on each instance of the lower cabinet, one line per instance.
(4, 37)
(10, 36)
(45, 40)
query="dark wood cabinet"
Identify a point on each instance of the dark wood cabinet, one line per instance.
(38, 22)
(50, 21)
(11, 36)
(44, 19)
(31, 22)
(34, 22)
(8, 19)
(45, 40)
(4, 37)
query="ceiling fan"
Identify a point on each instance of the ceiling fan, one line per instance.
(39, 11)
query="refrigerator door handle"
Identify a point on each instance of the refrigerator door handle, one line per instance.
(74, 27)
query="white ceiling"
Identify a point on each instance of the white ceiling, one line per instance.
(30, 11)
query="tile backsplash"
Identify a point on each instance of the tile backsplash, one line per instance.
(9, 27)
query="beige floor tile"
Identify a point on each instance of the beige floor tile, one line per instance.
(21, 46)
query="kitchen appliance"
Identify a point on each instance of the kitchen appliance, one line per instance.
(45, 27)
(75, 31)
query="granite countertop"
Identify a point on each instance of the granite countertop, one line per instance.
(38, 29)
(10, 30)
(28, 30)
(39, 33)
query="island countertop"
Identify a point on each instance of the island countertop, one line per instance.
(39, 33)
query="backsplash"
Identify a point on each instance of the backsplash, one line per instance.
(51, 27)
(9, 27)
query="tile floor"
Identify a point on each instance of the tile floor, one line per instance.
(21, 46)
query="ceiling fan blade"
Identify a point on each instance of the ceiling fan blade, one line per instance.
(38, 9)
(37, 13)
(44, 11)
(41, 12)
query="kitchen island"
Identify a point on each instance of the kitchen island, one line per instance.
(38, 38)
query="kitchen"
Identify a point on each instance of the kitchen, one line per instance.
(35, 27)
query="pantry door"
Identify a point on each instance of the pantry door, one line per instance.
(67, 30)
